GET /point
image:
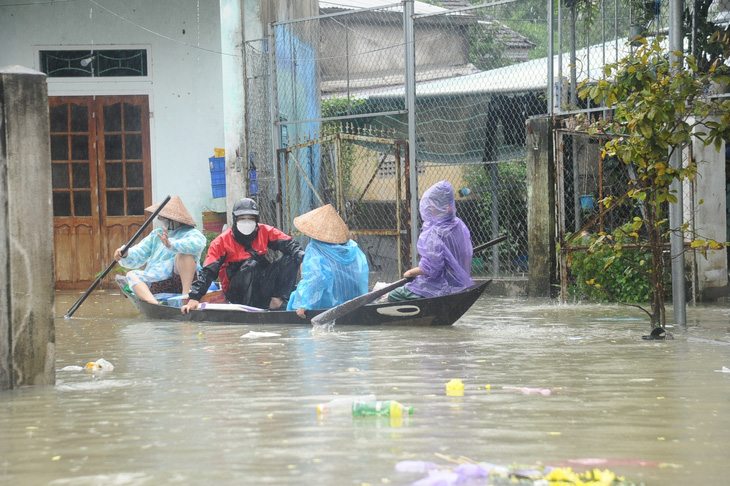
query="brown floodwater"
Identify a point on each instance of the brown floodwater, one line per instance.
(220, 404)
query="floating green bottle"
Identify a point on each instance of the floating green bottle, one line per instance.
(385, 408)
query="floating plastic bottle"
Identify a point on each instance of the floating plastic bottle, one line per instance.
(343, 404)
(387, 407)
(99, 365)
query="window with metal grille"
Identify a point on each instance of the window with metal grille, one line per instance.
(387, 168)
(94, 63)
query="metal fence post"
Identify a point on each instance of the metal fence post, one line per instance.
(676, 237)
(274, 107)
(550, 59)
(410, 94)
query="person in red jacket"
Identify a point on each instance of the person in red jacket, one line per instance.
(238, 257)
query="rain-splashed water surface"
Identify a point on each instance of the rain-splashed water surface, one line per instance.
(221, 404)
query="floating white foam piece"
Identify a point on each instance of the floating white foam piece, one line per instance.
(257, 335)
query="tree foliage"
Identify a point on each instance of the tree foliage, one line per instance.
(608, 272)
(658, 109)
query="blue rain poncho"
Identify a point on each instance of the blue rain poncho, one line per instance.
(444, 245)
(160, 259)
(331, 275)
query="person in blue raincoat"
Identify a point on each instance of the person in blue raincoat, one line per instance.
(334, 269)
(444, 246)
(170, 255)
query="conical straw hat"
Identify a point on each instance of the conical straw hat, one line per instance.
(174, 210)
(323, 224)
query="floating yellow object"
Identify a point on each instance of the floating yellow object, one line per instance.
(455, 387)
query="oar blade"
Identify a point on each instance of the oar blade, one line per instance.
(113, 263)
(353, 304)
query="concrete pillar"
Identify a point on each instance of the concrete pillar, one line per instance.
(27, 333)
(711, 219)
(243, 21)
(234, 102)
(540, 207)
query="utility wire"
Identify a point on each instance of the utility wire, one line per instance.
(162, 35)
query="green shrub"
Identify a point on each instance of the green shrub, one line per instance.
(604, 273)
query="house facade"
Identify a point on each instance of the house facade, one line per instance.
(141, 93)
(136, 110)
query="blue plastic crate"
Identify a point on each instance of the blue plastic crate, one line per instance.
(217, 164)
(218, 176)
(219, 190)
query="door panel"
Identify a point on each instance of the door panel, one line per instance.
(76, 233)
(101, 181)
(124, 167)
(80, 242)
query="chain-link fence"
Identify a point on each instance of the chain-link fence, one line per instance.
(361, 175)
(261, 175)
(471, 104)
(477, 73)
(474, 92)
(583, 179)
(585, 46)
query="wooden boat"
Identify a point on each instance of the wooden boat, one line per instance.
(434, 311)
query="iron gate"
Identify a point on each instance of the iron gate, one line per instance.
(364, 173)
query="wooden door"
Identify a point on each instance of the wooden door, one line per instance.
(101, 181)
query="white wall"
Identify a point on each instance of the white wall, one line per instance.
(711, 219)
(184, 86)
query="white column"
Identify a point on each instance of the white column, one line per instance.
(711, 218)
(234, 101)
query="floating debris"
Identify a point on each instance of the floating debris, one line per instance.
(525, 390)
(455, 388)
(467, 471)
(99, 365)
(258, 335)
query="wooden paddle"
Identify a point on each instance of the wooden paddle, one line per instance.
(493, 242)
(114, 262)
(352, 304)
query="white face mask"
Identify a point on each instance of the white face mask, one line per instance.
(167, 223)
(246, 226)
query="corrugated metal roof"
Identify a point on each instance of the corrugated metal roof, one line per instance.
(419, 7)
(526, 76)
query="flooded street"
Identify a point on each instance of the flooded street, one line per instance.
(207, 404)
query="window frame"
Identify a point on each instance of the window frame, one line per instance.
(94, 79)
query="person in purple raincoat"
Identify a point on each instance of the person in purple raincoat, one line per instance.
(444, 247)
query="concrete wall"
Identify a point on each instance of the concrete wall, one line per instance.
(243, 21)
(184, 82)
(27, 333)
(375, 44)
(283, 10)
(711, 219)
